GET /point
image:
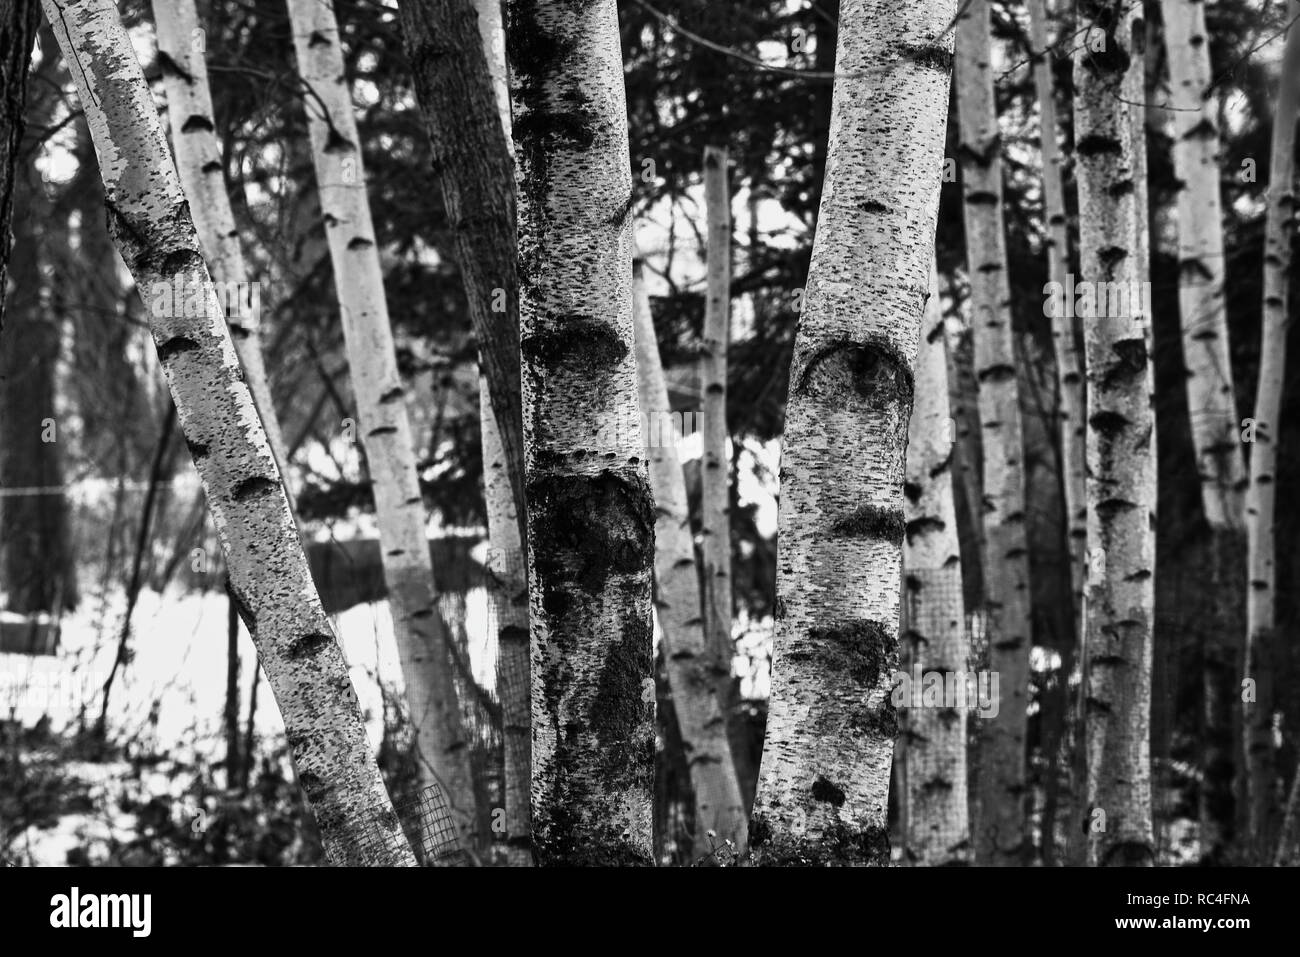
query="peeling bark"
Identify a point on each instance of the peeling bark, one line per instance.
(824, 779)
(150, 222)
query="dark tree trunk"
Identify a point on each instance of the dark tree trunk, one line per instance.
(18, 23)
(476, 173)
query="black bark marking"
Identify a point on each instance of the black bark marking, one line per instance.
(824, 790)
(1096, 144)
(870, 521)
(921, 526)
(587, 340)
(253, 486)
(874, 369)
(382, 430)
(588, 528)
(392, 395)
(174, 347)
(862, 648)
(306, 645)
(360, 242)
(197, 123)
(930, 56)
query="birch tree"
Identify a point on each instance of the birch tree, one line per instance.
(938, 825)
(692, 667)
(590, 511)
(1121, 487)
(269, 580)
(1069, 373)
(423, 641)
(715, 466)
(824, 778)
(1261, 505)
(181, 55)
(20, 18)
(1210, 397)
(1000, 821)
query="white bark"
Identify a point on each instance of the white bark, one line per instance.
(1121, 486)
(715, 474)
(1000, 825)
(938, 826)
(590, 511)
(150, 222)
(181, 46)
(824, 779)
(421, 635)
(690, 662)
(1210, 400)
(1202, 312)
(1261, 506)
(506, 560)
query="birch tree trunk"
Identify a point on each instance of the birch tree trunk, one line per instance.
(1261, 505)
(1000, 823)
(590, 511)
(458, 88)
(19, 20)
(149, 219)
(181, 46)
(715, 472)
(1210, 401)
(934, 617)
(824, 778)
(691, 664)
(421, 635)
(1121, 486)
(506, 559)
(1069, 372)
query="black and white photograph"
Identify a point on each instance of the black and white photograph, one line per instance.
(604, 434)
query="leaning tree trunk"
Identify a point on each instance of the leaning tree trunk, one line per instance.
(938, 827)
(824, 779)
(458, 88)
(198, 161)
(423, 641)
(692, 665)
(1210, 402)
(19, 20)
(1261, 508)
(150, 222)
(1000, 810)
(1069, 373)
(1121, 486)
(590, 511)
